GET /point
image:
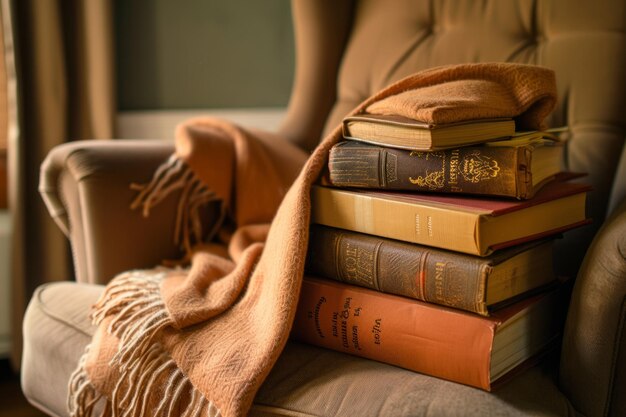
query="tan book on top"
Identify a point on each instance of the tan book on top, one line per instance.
(405, 133)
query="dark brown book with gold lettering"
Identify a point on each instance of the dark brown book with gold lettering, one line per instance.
(511, 168)
(428, 274)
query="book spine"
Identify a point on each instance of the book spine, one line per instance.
(421, 337)
(486, 170)
(420, 272)
(435, 226)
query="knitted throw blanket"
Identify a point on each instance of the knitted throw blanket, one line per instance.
(200, 341)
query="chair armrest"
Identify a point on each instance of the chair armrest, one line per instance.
(85, 186)
(593, 359)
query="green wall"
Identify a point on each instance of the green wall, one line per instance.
(186, 54)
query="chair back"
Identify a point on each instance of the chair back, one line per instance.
(348, 50)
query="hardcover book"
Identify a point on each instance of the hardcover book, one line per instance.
(427, 338)
(402, 132)
(515, 167)
(474, 225)
(428, 274)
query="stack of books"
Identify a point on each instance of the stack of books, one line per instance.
(431, 247)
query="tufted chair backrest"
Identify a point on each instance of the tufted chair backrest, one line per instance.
(347, 50)
(353, 49)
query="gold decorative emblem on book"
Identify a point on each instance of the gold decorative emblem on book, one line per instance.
(473, 167)
(476, 167)
(433, 180)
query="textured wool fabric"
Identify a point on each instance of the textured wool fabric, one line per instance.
(200, 341)
(480, 91)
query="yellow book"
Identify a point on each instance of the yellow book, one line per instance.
(474, 225)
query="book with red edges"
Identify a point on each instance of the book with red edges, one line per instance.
(468, 224)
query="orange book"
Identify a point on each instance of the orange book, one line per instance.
(434, 340)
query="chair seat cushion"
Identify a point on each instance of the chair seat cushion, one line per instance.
(306, 380)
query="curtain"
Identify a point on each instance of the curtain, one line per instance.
(4, 117)
(60, 78)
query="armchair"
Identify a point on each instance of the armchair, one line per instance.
(346, 50)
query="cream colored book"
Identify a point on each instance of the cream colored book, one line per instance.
(474, 225)
(405, 133)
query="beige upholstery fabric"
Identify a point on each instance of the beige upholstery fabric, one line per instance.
(595, 317)
(306, 380)
(56, 331)
(371, 43)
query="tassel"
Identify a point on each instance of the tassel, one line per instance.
(144, 378)
(169, 388)
(147, 370)
(82, 396)
(134, 298)
(171, 176)
(107, 411)
(139, 287)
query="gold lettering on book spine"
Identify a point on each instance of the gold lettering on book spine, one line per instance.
(439, 282)
(359, 264)
(454, 171)
(450, 285)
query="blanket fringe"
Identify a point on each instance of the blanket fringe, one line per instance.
(134, 298)
(82, 396)
(173, 175)
(140, 314)
(178, 397)
(140, 379)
